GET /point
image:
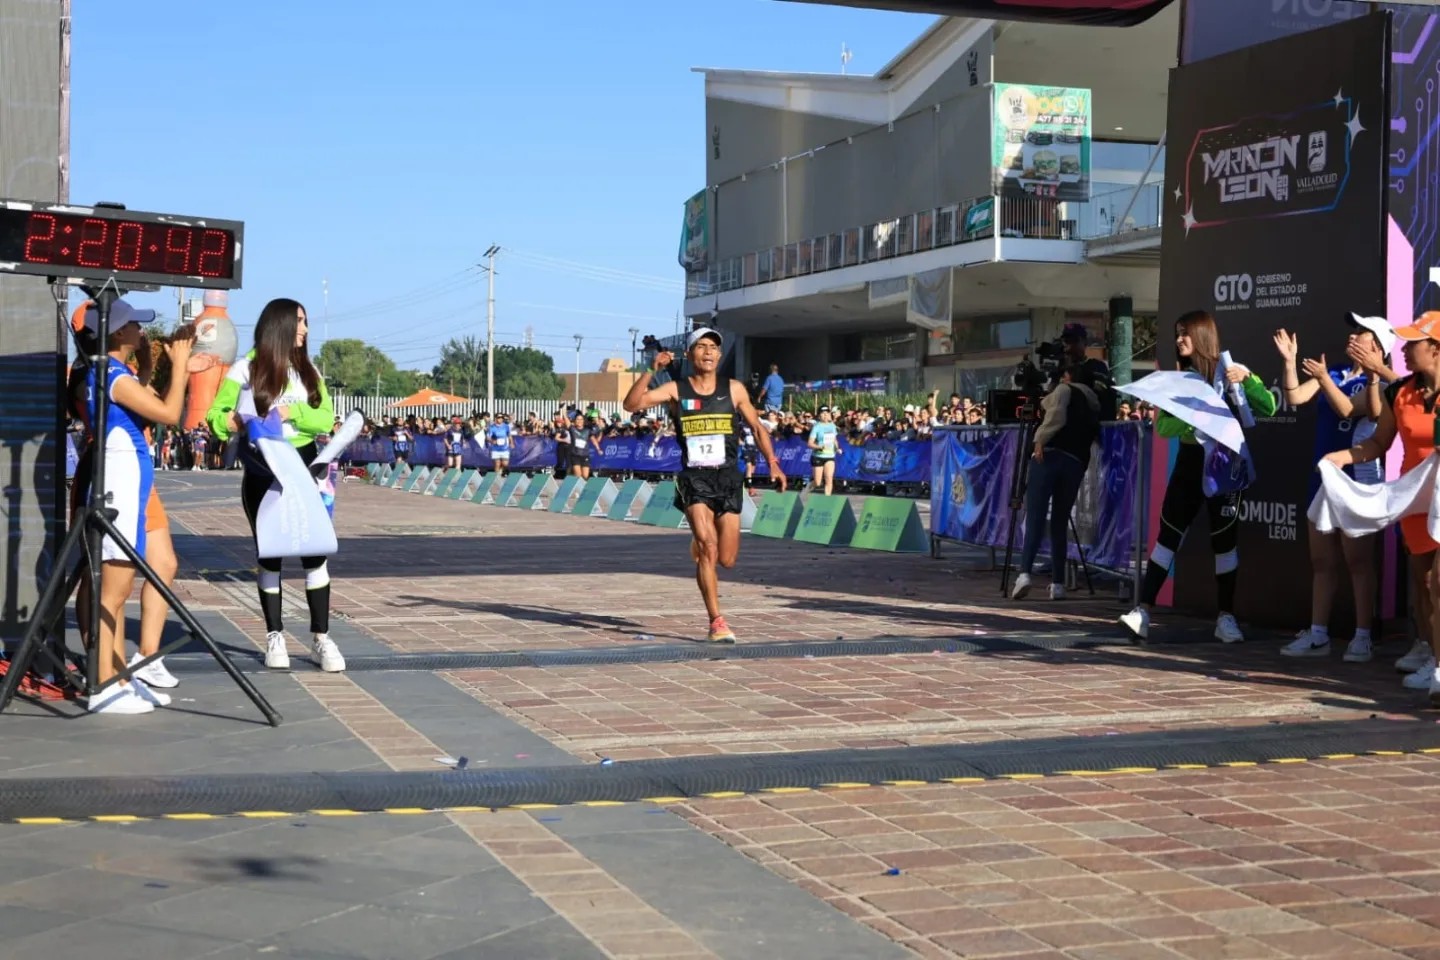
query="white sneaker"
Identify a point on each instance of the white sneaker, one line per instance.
(1057, 591)
(327, 655)
(1359, 651)
(118, 699)
(1227, 630)
(276, 658)
(143, 691)
(1022, 587)
(154, 674)
(1415, 659)
(1137, 621)
(1306, 644)
(1421, 679)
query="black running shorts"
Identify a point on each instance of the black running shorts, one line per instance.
(719, 488)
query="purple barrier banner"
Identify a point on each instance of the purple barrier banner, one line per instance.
(972, 469)
(880, 461)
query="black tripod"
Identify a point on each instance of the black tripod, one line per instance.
(94, 520)
(1019, 484)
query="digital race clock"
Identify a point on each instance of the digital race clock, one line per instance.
(133, 248)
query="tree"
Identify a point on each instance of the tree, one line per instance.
(354, 367)
(521, 373)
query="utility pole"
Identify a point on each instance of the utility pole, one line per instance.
(490, 329)
(578, 340)
(634, 355)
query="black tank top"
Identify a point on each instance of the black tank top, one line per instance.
(705, 426)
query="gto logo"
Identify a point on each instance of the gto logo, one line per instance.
(1234, 288)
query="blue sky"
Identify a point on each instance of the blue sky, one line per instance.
(383, 146)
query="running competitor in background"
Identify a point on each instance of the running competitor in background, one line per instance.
(705, 408)
(498, 437)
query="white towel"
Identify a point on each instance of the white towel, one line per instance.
(1359, 509)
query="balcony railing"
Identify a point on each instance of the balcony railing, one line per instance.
(1038, 218)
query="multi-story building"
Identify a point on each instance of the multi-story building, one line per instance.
(993, 182)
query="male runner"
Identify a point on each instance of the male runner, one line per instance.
(705, 408)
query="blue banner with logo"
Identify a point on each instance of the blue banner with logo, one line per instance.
(973, 469)
(880, 461)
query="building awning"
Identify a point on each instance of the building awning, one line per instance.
(1094, 13)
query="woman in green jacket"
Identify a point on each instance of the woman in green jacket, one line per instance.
(1197, 345)
(279, 375)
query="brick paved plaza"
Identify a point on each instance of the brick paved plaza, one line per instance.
(1199, 850)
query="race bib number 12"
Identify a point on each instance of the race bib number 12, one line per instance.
(705, 451)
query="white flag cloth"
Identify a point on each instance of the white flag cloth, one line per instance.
(1358, 509)
(292, 520)
(1188, 398)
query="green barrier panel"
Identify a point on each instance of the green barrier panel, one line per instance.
(660, 511)
(427, 489)
(778, 515)
(417, 480)
(828, 521)
(488, 483)
(371, 469)
(383, 475)
(596, 498)
(569, 487)
(396, 476)
(537, 490)
(891, 525)
(511, 490)
(461, 485)
(442, 486)
(633, 495)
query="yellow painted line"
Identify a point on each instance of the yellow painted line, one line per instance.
(265, 814)
(724, 794)
(532, 806)
(906, 783)
(190, 816)
(337, 813)
(1337, 756)
(664, 799)
(1187, 766)
(1238, 763)
(962, 779)
(40, 821)
(1133, 770)
(1021, 776)
(466, 810)
(116, 818)
(844, 785)
(602, 803)
(1429, 750)
(408, 811)
(1386, 753)
(1289, 760)
(787, 790)
(1084, 773)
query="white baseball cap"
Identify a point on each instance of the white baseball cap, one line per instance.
(121, 315)
(1379, 326)
(701, 333)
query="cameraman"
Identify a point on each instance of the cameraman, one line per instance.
(1094, 372)
(1071, 426)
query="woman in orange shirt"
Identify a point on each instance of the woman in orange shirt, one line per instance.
(1408, 412)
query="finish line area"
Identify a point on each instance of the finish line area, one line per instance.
(887, 737)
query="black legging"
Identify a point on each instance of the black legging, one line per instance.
(256, 481)
(1183, 500)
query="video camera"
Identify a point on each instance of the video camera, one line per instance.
(1037, 374)
(654, 347)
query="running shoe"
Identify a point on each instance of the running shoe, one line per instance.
(720, 631)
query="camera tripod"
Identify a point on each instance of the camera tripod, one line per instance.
(1019, 485)
(93, 521)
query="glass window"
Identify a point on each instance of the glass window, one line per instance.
(991, 333)
(872, 347)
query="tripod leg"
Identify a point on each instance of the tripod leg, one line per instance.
(1084, 564)
(191, 624)
(44, 616)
